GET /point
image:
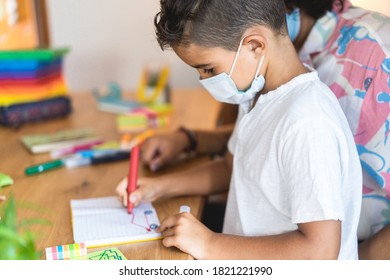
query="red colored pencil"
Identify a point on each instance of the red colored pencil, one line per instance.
(132, 176)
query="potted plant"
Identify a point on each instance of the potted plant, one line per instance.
(17, 242)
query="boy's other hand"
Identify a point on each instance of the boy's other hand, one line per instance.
(159, 150)
(186, 233)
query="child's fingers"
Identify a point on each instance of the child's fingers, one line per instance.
(168, 232)
(170, 237)
(124, 200)
(170, 241)
(141, 193)
(157, 162)
(136, 196)
(149, 150)
(169, 222)
(120, 190)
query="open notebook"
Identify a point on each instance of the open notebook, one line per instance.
(104, 221)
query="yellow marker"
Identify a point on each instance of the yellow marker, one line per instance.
(126, 138)
(141, 138)
(107, 145)
(125, 141)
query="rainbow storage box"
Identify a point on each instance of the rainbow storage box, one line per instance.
(32, 86)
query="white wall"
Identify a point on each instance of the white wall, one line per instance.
(382, 6)
(110, 40)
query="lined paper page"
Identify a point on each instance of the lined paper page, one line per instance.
(104, 221)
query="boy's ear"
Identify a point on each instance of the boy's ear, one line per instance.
(256, 42)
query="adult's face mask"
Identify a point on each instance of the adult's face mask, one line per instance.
(293, 24)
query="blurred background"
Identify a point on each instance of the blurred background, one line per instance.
(112, 40)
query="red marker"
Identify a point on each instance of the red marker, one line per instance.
(132, 176)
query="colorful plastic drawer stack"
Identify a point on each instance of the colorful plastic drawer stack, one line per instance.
(32, 86)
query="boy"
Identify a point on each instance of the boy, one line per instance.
(295, 178)
(360, 89)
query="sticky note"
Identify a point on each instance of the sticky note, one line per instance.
(66, 252)
(107, 254)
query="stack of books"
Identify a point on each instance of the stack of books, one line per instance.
(32, 86)
(48, 142)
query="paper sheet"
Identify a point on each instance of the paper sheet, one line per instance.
(104, 221)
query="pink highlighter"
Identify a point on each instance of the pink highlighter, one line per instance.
(132, 176)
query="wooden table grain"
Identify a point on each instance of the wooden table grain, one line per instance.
(48, 195)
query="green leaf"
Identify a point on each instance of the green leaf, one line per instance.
(9, 216)
(17, 242)
(8, 235)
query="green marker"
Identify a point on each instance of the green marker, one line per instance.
(42, 167)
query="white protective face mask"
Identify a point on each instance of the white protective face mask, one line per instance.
(223, 88)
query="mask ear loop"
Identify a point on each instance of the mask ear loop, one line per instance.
(258, 67)
(236, 57)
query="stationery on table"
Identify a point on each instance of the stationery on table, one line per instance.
(117, 106)
(133, 116)
(140, 138)
(110, 99)
(104, 157)
(42, 143)
(150, 116)
(95, 153)
(153, 84)
(104, 221)
(78, 160)
(43, 167)
(132, 176)
(127, 143)
(16, 115)
(78, 251)
(57, 153)
(66, 252)
(76, 150)
(111, 254)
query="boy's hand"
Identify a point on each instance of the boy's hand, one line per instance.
(160, 150)
(148, 190)
(186, 233)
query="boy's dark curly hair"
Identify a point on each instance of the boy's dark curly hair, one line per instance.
(314, 8)
(215, 23)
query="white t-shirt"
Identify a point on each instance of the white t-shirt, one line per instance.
(295, 161)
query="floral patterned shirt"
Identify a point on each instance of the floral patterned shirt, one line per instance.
(350, 49)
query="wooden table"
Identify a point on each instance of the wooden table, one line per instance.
(48, 195)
